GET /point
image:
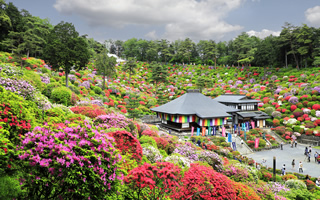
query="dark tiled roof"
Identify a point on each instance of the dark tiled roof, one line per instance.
(196, 103)
(234, 98)
(254, 114)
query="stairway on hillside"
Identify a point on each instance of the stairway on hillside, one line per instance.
(273, 134)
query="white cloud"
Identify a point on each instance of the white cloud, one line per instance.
(152, 35)
(264, 33)
(197, 19)
(313, 15)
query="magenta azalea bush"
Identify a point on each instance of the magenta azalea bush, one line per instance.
(70, 162)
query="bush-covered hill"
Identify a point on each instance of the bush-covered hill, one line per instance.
(76, 142)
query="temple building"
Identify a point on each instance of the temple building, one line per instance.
(194, 109)
(248, 109)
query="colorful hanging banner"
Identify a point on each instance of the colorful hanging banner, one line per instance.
(203, 131)
(211, 122)
(256, 143)
(209, 130)
(252, 124)
(223, 131)
(177, 118)
(229, 137)
(213, 130)
(192, 130)
(234, 146)
(198, 131)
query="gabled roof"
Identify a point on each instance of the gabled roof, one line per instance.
(254, 114)
(195, 103)
(234, 98)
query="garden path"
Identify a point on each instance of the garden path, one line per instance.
(286, 156)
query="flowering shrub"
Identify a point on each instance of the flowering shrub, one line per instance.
(244, 192)
(294, 100)
(61, 95)
(57, 159)
(128, 144)
(211, 158)
(202, 182)
(92, 111)
(18, 86)
(17, 116)
(161, 143)
(8, 154)
(151, 153)
(85, 84)
(278, 187)
(236, 173)
(188, 151)
(177, 159)
(295, 184)
(152, 181)
(150, 133)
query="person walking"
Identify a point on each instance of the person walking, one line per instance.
(291, 143)
(283, 170)
(295, 143)
(293, 164)
(310, 149)
(306, 151)
(281, 145)
(315, 156)
(309, 156)
(199, 142)
(300, 167)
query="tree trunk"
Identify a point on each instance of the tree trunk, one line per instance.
(67, 78)
(28, 54)
(297, 63)
(104, 79)
(215, 62)
(286, 58)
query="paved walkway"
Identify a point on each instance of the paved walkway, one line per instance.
(286, 156)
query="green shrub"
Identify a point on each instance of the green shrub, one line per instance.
(49, 88)
(61, 95)
(34, 79)
(9, 187)
(45, 70)
(97, 90)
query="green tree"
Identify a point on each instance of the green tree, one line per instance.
(185, 49)
(131, 48)
(66, 49)
(133, 107)
(289, 43)
(105, 65)
(152, 51)
(305, 38)
(159, 74)
(130, 66)
(164, 50)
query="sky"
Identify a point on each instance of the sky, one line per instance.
(219, 20)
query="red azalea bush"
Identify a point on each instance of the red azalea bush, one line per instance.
(127, 143)
(161, 143)
(92, 111)
(202, 182)
(155, 181)
(293, 107)
(276, 122)
(316, 107)
(150, 133)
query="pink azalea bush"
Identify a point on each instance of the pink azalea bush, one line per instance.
(71, 161)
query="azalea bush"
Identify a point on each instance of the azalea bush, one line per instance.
(18, 86)
(18, 116)
(151, 153)
(91, 111)
(202, 182)
(72, 162)
(127, 144)
(152, 181)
